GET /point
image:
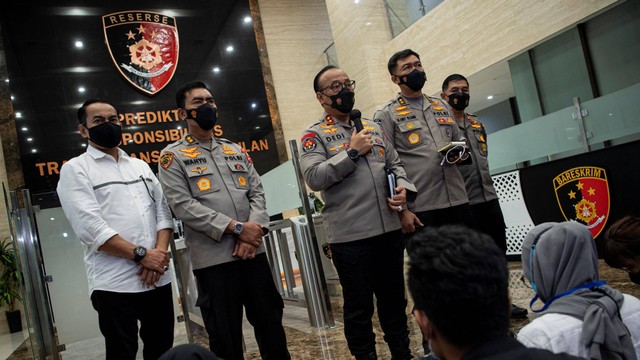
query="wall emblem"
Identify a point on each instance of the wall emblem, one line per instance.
(583, 196)
(143, 46)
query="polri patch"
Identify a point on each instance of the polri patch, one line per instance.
(166, 160)
(413, 138)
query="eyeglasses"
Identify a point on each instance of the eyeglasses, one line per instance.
(336, 86)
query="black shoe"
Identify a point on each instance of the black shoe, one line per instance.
(518, 312)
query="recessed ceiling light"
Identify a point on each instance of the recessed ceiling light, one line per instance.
(29, 139)
(229, 48)
(489, 97)
(81, 89)
(253, 105)
(84, 145)
(216, 69)
(6, 80)
(12, 98)
(33, 150)
(79, 44)
(247, 19)
(18, 115)
(24, 128)
(257, 127)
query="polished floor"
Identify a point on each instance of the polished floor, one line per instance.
(306, 342)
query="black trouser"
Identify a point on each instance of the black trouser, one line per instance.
(487, 217)
(368, 267)
(118, 315)
(224, 289)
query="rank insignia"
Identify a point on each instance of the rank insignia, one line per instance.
(309, 141)
(450, 120)
(583, 196)
(143, 46)
(166, 160)
(246, 153)
(331, 130)
(483, 148)
(435, 102)
(190, 139)
(438, 108)
(329, 120)
(190, 152)
(337, 148)
(413, 138)
(400, 108)
(227, 150)
(401, 101)
(403, 113)
(442, 120)
(481, 138)
(199, 169)
(203, 184)
(370, 128)
(242, 181)
(381, 152)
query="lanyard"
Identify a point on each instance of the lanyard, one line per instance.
(570, 291)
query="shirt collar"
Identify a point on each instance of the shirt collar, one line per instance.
(97, 154)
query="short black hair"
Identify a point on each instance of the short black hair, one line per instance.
(622, 242)
(459, 278)
(316, 80)
(450, 78)
(82, 111)
(184, 89)
(393, 60)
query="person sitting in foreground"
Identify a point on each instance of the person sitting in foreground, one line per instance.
(621, 246)
(581, 315)
(459, 281)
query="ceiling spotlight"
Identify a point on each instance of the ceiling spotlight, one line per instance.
(24, 128)
(81, 89)
(84, 145)
(12, 98)
(247, 19)
(6, 80)
(18, 115)
(79, 44)
(489, 97)
(229, 48)
(253, 105)
(216, 69)
(257, 127)
(29, 139)
(34, 150)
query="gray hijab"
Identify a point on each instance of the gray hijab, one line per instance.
(564, 258)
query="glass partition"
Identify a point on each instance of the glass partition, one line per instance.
(610, 119)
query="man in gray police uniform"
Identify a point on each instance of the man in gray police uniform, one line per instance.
(419, 126)
(360, 219)
(486, 214)
(212, 186)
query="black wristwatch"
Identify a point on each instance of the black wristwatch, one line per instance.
(353, 154)
(139, 253)
(238, 227)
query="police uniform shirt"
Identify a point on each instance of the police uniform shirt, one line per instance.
(355, 193)
(207, 185)
(476, 176)
(417, 134)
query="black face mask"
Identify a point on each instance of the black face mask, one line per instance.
(459, 101)
(205, 116)
(107, 135)
(414, 80)
(343, 101)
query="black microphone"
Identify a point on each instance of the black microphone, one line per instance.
(355, 116)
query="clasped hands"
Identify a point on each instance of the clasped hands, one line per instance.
(248, 241)
(154, 265)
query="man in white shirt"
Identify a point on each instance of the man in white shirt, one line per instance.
(116, 208)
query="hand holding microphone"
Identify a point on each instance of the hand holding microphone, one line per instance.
(360, 138)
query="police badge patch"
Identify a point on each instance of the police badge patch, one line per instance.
(583, 196)
(144, 47)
